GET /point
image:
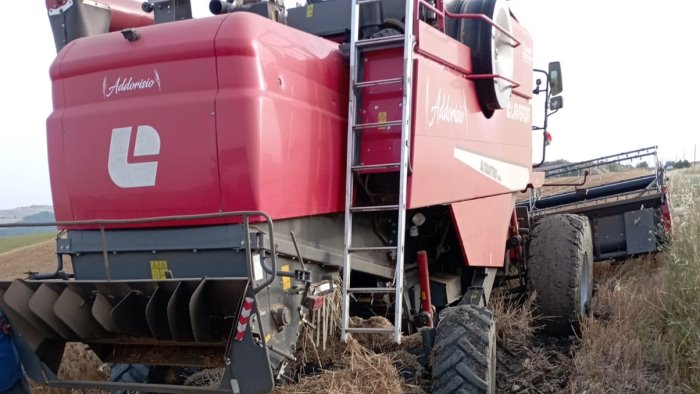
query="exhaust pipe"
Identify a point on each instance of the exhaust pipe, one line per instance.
(218, 7)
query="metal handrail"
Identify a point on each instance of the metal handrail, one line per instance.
(439, 9)
(514, 85)
(442, 12)
(161, 219)
(516, 43)
(599, 161)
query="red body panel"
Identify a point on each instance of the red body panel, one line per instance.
(229, 98)
(288, 91)
(482, 226)
(458, 155)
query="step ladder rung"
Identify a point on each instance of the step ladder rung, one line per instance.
(364, 290)
(371, 248)
(377, 82)
(386, 166)
(360, 51)
(374, 208)
(370, 330)
(380, 42)
(377, 124)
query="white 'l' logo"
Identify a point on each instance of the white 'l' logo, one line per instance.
(125, 174)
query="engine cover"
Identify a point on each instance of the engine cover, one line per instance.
(225, 113)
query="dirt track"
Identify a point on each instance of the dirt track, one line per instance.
(38, 258)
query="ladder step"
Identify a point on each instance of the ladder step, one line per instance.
(376, 166)
(379, 82)
(371, 248)
(380, 42)
(372, 290)
(375, 208)
(377, 124)
(370, 330)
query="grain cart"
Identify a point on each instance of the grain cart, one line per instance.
(217, 179)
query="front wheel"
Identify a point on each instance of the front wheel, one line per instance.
(465, 351)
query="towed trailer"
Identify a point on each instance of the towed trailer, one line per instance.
(628, 217)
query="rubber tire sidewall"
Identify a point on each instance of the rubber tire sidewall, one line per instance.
(476, 34)
(560, 259)
(465, 351)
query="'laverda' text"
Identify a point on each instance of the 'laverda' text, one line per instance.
(122, 85)
(444, 111)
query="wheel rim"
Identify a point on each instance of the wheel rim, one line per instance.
(502, 54)
(584, 287)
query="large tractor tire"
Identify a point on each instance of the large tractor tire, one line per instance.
(560, 270)
(464, 356)
(492, 51)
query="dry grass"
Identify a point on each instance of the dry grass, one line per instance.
(644, 333)
(370, 363)
(358, 371)
(515, 322)
(611, 355)
(79, 363)
(527, 363)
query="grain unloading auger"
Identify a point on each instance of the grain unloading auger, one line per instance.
(388, 159)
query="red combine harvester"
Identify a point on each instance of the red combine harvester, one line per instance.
(216, 179)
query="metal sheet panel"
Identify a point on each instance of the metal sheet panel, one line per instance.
(641, 228)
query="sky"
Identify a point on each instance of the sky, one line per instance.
(628, 68)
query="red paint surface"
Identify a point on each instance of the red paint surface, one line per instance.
(251, 116)
(482, 226)
(666, 214)
(382, 103)
(426, 304)
(233, 112)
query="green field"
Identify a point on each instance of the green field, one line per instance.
(18, 241)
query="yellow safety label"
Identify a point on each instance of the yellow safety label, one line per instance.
(309, 10)
(286, 281)
(158, 268)
(267, 338)
(381, 117)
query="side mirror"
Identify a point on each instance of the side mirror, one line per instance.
(556, 103)
(555, 81)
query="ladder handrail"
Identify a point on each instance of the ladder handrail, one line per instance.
(354, 130)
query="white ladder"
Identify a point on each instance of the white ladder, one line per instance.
(358, 47)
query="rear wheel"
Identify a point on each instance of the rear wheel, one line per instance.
(560, 270)
(465, 351)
